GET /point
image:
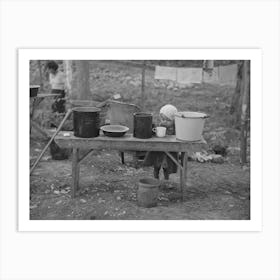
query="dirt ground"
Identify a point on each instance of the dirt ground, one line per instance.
(108, 189)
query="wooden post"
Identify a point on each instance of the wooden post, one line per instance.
(208, 64)
(236, 102)
(143, 86)
(40, 73)
(244, 112)
(75, 171)
(83, 89)
(69, 76)
(183, 173)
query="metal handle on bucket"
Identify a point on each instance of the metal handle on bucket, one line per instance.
(204, 117)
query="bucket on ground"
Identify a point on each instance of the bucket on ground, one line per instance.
(86, 122)
(147, 194)
(189, 125)
(142, 127)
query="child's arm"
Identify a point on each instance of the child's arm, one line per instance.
(170, 126)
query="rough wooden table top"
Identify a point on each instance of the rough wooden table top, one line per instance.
(44, 95)
(128, 142)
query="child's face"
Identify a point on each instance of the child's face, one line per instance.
(165, 120)
(163, 117)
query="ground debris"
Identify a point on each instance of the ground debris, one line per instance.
(162, 198)
(129, 171)
(46, 158)
(206, 157)
(122, 213)
(227, 192)
(64, 191)
(245, 167)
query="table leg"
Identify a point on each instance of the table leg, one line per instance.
(122, 157)
(183, 173)
(32, 113)
(75, 171)
(134, 160)
(181, 179)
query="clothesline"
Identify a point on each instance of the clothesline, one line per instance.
(221, 74)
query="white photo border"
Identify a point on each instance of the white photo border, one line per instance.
(255, 222)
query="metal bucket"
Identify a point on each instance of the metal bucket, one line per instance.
(86, 122)
(189, 125)
(147, 194)
(142, 125)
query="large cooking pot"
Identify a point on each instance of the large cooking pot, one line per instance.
(142, 125)
(86, 122)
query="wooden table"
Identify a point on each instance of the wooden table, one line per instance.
(128, 142)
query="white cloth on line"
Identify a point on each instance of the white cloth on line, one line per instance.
(228, 74)
(189, 75)
(211, 77)
(165, 73)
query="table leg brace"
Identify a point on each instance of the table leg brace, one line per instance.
(75, 171)
(183, 170)
(183, 173)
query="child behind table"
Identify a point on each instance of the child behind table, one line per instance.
(159, 159)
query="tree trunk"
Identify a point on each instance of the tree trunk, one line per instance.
(208, 64)
(208, 67)
(83, 89)
(244, 119)
(40, 74)
(143, 86)
(236, 102)
(69, 76)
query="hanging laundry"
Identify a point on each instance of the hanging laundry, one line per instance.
(228, 74)
(208, 64)
(211, 77)
(165, 73)
(189, 75)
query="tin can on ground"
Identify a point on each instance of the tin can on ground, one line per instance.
(147, 193)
